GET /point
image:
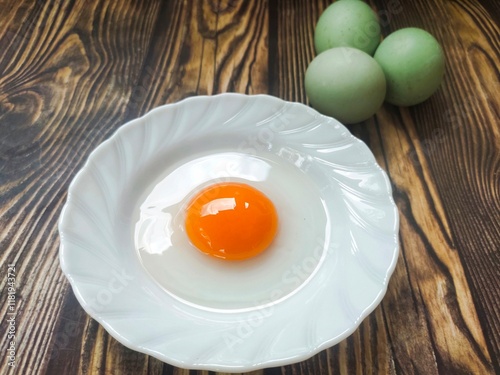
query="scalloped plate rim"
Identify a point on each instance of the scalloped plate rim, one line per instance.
(220, 367)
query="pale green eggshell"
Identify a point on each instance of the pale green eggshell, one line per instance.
(345, 83)
(413, 63)
(347, 23)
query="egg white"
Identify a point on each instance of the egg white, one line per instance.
(198, 279)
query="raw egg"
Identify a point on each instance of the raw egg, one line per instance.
(413, 63)
(232, 221)
(345, 83)
(347, 24)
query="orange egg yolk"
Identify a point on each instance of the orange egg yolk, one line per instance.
(231, 221)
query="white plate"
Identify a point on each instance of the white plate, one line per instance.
(126, 255)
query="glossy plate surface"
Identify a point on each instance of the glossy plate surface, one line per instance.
(133, 269)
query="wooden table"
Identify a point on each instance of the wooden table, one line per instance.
(72, 72)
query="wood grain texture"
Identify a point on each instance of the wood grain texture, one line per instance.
(457, 159)
(71, 72)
